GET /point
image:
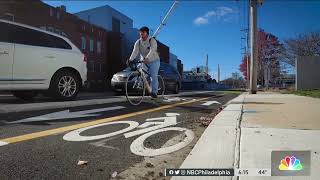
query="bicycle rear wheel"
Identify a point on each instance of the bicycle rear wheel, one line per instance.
(135, 88)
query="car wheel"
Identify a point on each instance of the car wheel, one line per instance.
(25, 95)
(64, 86)
(176, 89)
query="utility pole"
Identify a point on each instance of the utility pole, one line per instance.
(254, 48)
(207, 65)
(247, 59)
(218, 73)
(246, 54)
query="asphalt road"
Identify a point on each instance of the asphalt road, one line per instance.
(48, 143)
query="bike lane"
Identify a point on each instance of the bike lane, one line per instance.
(56, 155)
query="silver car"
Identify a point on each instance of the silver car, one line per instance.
(170, 75)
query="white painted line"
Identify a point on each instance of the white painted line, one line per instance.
(2, 143)
(66, 114)
(208, 103)
(175, 99)
(5, 95)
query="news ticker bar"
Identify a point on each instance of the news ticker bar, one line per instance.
(218, 172)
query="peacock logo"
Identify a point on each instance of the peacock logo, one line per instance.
(290, 163)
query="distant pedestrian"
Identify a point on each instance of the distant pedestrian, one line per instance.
(146, 47)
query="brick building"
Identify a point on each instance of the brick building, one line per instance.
(104, 48)
(92, 40)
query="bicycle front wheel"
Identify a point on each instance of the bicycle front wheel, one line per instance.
(135, 88)
(161, 87)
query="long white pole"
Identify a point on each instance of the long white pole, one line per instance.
(165, 19)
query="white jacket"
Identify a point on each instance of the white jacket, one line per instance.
(147, 49)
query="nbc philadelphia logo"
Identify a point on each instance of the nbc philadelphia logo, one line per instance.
(290, 163)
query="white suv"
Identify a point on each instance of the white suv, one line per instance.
(33, 60)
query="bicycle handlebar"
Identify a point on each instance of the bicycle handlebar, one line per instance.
(136, 62)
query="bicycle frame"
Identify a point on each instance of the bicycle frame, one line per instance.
(143, 73)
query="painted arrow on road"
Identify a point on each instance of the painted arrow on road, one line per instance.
(66, 114)
(208, 103)
(176, 99)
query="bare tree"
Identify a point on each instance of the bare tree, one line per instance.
(304, 45)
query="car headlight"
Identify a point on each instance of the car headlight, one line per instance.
(115, 78)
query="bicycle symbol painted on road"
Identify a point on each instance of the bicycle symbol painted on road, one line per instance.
(151, 127)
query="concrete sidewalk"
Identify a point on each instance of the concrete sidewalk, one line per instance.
(251, 126)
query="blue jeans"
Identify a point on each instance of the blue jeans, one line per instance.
(153, 71)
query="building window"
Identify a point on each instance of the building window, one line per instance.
(58, 15)
(91, 45)
(51, 12)
(99, 47)
(83, 43)
(84, 27)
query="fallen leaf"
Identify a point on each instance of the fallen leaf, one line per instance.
(114, 174)
(82, 162)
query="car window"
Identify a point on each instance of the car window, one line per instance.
(32, 37)
(60, 43)
(5, 32)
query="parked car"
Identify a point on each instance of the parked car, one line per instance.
(33, 60)
(170, 75)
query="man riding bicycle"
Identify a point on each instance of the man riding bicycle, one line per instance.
(146, 47)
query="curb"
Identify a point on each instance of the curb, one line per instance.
(218, 146)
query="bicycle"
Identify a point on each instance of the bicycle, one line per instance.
(151, 127)
(137, 83)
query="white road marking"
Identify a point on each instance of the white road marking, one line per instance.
(208, 103)
(75, 135)
(166, 121)
(66, 114)
(2, 143)
(175, 99)
(5, 95)
(158, 125)
(137, 147)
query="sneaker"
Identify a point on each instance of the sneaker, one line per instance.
(153, 96)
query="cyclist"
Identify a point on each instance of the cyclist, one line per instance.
(146, 47)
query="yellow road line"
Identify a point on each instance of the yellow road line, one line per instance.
(86, 124)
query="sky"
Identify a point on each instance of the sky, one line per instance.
(212, 27)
